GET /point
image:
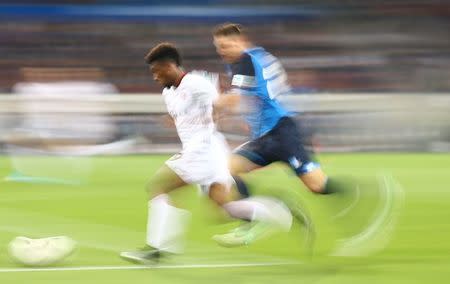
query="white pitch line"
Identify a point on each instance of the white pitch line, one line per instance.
(137, 267)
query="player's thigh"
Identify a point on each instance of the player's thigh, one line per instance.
(294, 152)
(315, 180)
(164, 181)
(239, 164)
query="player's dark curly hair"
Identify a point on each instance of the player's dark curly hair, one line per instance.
(229, 29)
(163, 51)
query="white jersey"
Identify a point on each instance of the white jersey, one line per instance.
(204, 157)
(191, 106)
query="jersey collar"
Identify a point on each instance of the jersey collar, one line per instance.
(252, 48)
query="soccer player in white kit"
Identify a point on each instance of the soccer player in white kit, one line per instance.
(202, 160)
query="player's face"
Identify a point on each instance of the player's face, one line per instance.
(163, 73)
(230, 48)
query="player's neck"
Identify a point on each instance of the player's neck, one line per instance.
(180, 77)
(247, 45)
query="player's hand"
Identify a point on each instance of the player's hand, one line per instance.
(167, 121)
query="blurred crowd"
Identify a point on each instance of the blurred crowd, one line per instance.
(378, 46)
(63, 58)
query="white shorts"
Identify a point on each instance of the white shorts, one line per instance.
(203, 165)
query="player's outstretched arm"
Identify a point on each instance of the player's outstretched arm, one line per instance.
(167, 121)
(228, 102)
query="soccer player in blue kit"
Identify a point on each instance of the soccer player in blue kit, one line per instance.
(258, 80)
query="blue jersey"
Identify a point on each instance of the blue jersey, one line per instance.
(259, 77)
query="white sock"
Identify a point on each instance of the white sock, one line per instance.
(166, 225)
(247, 210)
(275, 211)
(262, 209)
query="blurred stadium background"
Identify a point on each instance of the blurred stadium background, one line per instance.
(367, 76)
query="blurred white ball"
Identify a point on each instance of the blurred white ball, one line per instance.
(41, 252)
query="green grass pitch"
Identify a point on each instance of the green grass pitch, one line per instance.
(107, 214)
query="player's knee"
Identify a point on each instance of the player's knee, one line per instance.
(234, 168)
(153, 189)
(236, 165)
(235, 171)
(149, 189)
(217, 194)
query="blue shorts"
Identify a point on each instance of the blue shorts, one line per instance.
(283, 143)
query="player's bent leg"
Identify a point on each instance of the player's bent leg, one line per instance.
(165, 224)
(163, 181)
(257, 217)
(295, 200)
(221, 193)
(239, 164)
(265, 217)
(315, 180)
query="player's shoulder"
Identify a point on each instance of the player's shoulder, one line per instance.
(199, 80)
(256, 50)
(193, 78)
(261, 56)
(251, 59)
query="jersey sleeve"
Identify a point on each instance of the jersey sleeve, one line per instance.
(244, 79)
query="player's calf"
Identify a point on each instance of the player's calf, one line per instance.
(315, 180)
